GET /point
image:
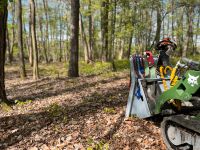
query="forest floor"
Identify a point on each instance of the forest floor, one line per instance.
(59, 112)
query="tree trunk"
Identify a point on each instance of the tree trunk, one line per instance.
(172, 10)
(91, 32)
(179, 34)
(121, 48)
(20, 40)
(9, 57)
(189, 36)
(13, 31)
(86, 45)
(34, 41)
(26, 38)
(45, 4)
(112, 33)
(3, 26)
(60, 40)
(43, 40)
(30, 41)
(73, 62)
(159, 23)
(104, 30)
(196, 36)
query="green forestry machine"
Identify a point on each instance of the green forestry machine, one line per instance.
(157, 89)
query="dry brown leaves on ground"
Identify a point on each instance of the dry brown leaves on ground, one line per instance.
(73, 114)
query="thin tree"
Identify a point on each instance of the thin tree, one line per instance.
(30, 40)
(112, 32)
(20, 40)
(159, 22)
(189, 35)
(34, 41)
(12, 41)
(104, 29)
(73, 62)
(91, 31)
(85, 42)
(3, 26)
(45, 5)
(8, 47)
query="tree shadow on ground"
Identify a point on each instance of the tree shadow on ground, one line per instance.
(53, 88)
(18, 127)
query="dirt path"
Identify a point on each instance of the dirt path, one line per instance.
(72, 114)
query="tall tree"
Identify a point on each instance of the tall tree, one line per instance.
(12, 41)
(159, 21)
(112, 32)
(34, 41)
(172, 10)
(60, 36)
(85, 42)
(73, 62)
(20, 40)
(196, 36)
(3, 26)
(43, 39)
(8, 47)
(179, 33)
(45, 5)
(30, 40)
(104, 29)
(189, 36)
(91, 31)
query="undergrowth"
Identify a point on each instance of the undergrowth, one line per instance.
(61, 69)
(97, 145)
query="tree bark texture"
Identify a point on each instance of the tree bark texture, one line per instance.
(43, 40)
(86, 45)
(189, 36)
(104, 30)
(45, 4)
(20, 40)
(159, 23)
(3, 26)
(91, 32)
(30, 41)
(73, 62)
(8, 47)
(34, 41)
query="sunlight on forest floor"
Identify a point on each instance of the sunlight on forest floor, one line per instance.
(73, 113)
(60, 69)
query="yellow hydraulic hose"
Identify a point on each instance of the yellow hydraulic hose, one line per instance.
(173, 80)
(163, 78)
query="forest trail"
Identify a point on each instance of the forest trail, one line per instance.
(73, 113)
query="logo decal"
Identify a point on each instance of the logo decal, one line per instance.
(192, 80)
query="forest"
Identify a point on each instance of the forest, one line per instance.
(65, 71)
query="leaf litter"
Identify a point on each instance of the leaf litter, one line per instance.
(74, 114)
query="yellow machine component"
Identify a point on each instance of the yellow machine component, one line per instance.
(173, 77)
(168, 68)
(163, 78)
(173, 80)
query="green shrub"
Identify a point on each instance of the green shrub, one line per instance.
(21, 103)
(121, 64)
(94, 68)
(109, 110)
(95, 145)
(54, 110)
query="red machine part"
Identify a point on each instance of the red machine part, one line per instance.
(149, 58)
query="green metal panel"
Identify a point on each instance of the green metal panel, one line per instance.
(183, 90)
